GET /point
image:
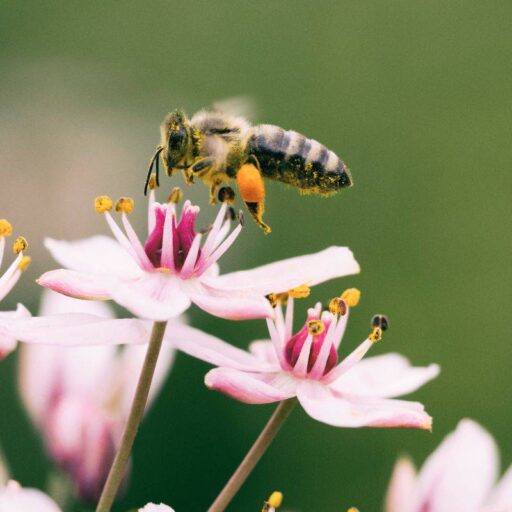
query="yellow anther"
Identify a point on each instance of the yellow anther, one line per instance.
(353, 509)
(152, 182)
(300, 292)
(273, 299)
(20, 244)
(315, 327)
(24, 263)
(5, 228)
(125, 205)
(275, 500)
(351, 296)
(176, 195)
(376, 335)
(338, 306)
(103, 204)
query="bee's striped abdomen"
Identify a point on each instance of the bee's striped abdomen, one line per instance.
(291, 158)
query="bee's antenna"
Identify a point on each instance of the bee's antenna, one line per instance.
(153, 163)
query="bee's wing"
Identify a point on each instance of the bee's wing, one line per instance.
(237, 106)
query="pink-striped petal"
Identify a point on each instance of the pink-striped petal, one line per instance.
(283, 275)
(251, 388)
(400, 493)
(327, 406)
(77, 284)
(384, 376)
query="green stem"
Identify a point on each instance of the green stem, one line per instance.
(254, 455)
(117, 470)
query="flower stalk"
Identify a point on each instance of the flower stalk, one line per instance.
(254, 455)
(118, 468)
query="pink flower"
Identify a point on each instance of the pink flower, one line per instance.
(351, 393)
(8, 280)
(80, 397)
(14, 498)
(160, 278)
(459, 476)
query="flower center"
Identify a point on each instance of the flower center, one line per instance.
(182, 234)
(318, 330)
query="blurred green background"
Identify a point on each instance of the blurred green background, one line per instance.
(415, 96)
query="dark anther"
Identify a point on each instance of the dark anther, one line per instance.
(380, 321)
(241, 218)
(226, 194)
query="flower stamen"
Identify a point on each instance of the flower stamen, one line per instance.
(176, 196)
(5, 228)
(125, 205)
(338, 306)
(376, 335)
(24, 263)
(299, 292)
(20, 244)
(351, 296)
(103, 204)
(315, 327)
(274, 501)
(380, 321)
(226, 194)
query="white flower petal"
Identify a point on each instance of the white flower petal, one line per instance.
(151, 507)
(400, 493)
(283, 275)
(17, 499)
(213, 350)
(155, 296)
(384, 376)
(7, 342)
(460, 473)
(96, 255)
(323, 404)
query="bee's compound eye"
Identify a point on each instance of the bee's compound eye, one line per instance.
(380, 321)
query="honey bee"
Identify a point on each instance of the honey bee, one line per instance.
(216, 148)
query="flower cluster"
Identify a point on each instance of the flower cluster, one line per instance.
(87, 396)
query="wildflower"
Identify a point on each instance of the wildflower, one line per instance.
(459, 476)
(80, 397)
(9, 279)
(160, 278)
(352, 393)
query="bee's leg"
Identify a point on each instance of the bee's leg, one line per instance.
(252, 190)
(214, 186)
(188, 176)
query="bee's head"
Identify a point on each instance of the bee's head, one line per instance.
(176, 139)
